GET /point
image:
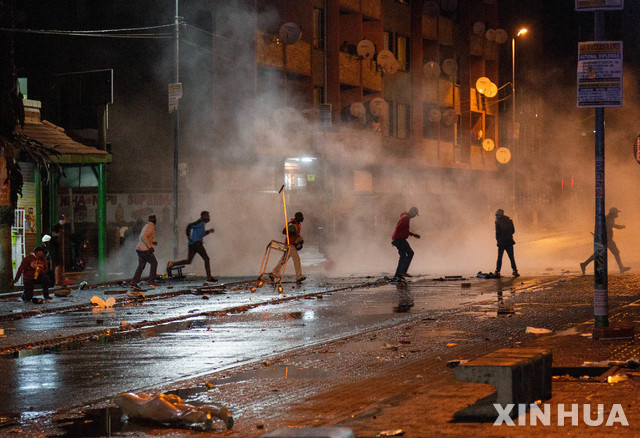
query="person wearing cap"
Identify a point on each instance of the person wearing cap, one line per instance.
(610, 223)
(399, 240)
(33, 270)
(144, 249)
(295, 243)
(505, 242)
(195, 233)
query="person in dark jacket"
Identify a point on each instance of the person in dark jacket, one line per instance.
(610, 221)
(399, 240)
(505, 242)
(195, 233)
(34, 269)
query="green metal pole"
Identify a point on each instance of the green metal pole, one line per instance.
(102, 222)
(38, 209)
(53, 208)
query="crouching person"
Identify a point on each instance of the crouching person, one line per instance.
(33, 270)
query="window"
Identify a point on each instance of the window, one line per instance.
(403, 118)
(402, 52)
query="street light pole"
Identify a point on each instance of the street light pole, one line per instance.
(513, 127)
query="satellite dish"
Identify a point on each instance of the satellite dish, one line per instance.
(431, 9)
(378, 106)
(435, 115)
(503, 155)
(488, 145)
(490, 35)
(450, 66)
(449, 5)
(289, 33)
(450, 117)
(388, 62)
(492, 90)
(366, 49)
(358, 110)
(478, 28)
(482, 84)
(431, 70)
(501, 36)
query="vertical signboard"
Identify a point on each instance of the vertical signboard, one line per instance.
(599, 74)
(594, 5)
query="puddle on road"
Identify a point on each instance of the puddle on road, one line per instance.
(106, 339)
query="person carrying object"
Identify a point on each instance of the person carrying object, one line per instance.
(144, 249)
(295, 243)
(399, 240)
(610, 221)
(33, 270)
(505, 242)
(195, 233)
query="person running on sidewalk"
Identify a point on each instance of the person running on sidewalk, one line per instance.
(295, 244)
(195, 233)
(34, 271)
(505, 242)
(144, 248)
(399, 240)
(610, 222)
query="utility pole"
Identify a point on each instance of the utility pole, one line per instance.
(176, 135)
(600, 274)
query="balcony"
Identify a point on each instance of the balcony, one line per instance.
(270, 53)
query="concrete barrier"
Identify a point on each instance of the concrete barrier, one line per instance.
(520, 376)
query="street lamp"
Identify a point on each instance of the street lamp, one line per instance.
(515, 131)
(513, 71)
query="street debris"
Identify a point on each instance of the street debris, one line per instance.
(632, 363)
(136, 296)
(617, 378)
(103, 304)
(171, 409)
(538, 331)
(396, 432)
(61, 293)
(450, 278)
(481, 274)
(455, 362)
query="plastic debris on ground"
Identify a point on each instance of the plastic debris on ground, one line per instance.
(100, 303)
(396, 432)
(171, 409)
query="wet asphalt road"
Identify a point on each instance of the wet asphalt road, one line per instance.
(38, 381)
